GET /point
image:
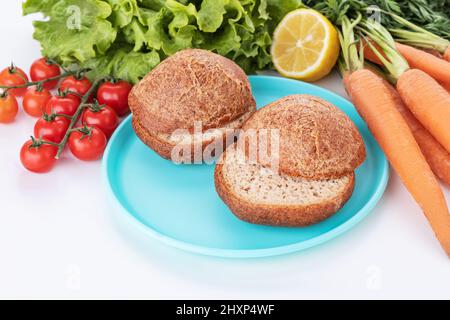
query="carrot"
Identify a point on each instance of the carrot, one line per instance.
(433, 52)
(439, 69)
(437, 157)
(346, 81)
(428, 101)
(369, 53)
(376, 104)
(418, 37)
(447, 54)
(446, 86)
(378, 108)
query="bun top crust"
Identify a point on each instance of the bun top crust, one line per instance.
(317, 140)
(192, 85)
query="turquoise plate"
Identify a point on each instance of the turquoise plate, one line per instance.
(178, 205)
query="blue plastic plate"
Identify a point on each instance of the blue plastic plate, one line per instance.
(178, 205)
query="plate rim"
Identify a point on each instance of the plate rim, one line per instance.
(247, 253)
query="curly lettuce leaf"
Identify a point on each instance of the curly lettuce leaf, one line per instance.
(154, 5)
(225, 42)
(279, 8)
(183, 15)
(35, 6)
(135, 34)
(169, 29)
(123, 12)
(123, 63)
(77, 30)
(133, 66)
(211, 14)
(129, 37)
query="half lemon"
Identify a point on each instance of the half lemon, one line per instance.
(305, 45)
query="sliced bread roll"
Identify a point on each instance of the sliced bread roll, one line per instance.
(300, 173)
(258, 195)
(191, 87)
(167, 145)
(316, 139)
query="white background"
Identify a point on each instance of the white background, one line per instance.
(59, 239)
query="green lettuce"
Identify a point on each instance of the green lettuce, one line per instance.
(127, 38)
(35, 6)
(124, 63)
(279, 8)
(212, 13)
(77, 30)
(123, 12)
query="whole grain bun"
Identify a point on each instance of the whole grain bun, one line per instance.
(257, 195)
(191, 86)
(164, 144)
(317, 140)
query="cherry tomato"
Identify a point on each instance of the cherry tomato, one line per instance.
(42, 69)
(34, 101)
(115, 95)
(8, 108)
(63, 104)
(81, 86)
(88, 143)
(102, 117)
(51, 128)
(38, 158)
(14, 76)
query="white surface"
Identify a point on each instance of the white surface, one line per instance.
(58, 238)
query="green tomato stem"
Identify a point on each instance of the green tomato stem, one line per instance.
(77, 115)
(50, 143)
(34, 83)
(56, 115)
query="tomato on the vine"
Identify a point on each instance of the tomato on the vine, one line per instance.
(14, 76)
(80, 85)
(8, 108)
(62, 103)
(37, 156)
(102, 117)
(35, 100)
(51, 128)
(43, 69)
(115, 94)
(87, 143)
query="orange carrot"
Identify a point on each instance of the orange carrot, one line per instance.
(369, 53)
(446, 86)
(346, 81)
(439, 69)
(428, 101)
(378, 108)
(437, 157)
(447, 54)
(433, 52)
